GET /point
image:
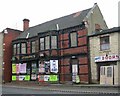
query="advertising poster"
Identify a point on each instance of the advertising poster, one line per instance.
(13, 68)
(13, 78)
(28, 70)
(40, 78)
(27, 77)
(47, 67)
(53, 78)
(21, 77)
(46, 77)
(41, 67)
(74, 72)
(17, 68)
(34, 68)
(17, 78)
(54, 66)
(22, 68)
(33, 76)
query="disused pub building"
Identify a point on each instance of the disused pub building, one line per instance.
(57, 50)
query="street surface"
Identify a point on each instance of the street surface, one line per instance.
(8, 89)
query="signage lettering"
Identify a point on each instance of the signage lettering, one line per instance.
(107, 58)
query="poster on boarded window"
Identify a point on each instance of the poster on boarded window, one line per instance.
(27, 77)
(33, 76)
(47, 67)
(21, 77)
(14, 78)
(53, 78)
(17, 68)
(54, 66)
(46, 77)
(41, 67)
(22, 68)
(13, 68)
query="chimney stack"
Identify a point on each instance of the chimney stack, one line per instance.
(25, 24)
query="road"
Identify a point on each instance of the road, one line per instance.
(57, 90)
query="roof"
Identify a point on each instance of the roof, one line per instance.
(15, 30)
(106, 31)
(62, 22)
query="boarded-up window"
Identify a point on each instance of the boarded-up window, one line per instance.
(53, 42)
(73, 39)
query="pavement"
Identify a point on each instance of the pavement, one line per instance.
(37, 84)
(89, 88)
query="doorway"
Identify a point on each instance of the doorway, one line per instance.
(32, 70)
(74, 69)
(107, 75)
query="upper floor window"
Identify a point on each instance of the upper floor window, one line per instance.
(14, 49)
(18, 48)
(53, 42)
(104, 43)
(33, 46)
(23, 48)
(42, 47)
(47, 42)
(73, 39)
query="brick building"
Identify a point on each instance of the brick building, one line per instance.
(56, 50)
(6, 37)
(105, 56)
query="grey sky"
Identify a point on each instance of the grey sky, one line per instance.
(39, 11)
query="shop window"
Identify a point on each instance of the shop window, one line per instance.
(73, 39)
(53, 42)
(104, 43)
(23, 48)
(18, 48)
(14, 49)
(47, 42)
(42, 44)
(33, 46)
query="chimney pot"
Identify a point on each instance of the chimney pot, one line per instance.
(25, 24)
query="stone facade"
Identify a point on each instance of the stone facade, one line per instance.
(94, 42)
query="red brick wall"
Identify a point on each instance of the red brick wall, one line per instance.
(65, 68)
(8, 53)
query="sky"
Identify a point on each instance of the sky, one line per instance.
(12, 12)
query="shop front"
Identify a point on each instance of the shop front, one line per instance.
(48, 71)
(107, 69)
(33, 68)
(25, 68)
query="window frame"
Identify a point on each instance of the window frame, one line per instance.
(48, 45)
(18, 48)
(33, 47)
(56, 46)
(43, 44)
(102, 39)
(14, 49)
(24, 47)
(74, 39)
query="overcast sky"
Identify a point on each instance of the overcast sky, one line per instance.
(12, 12)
